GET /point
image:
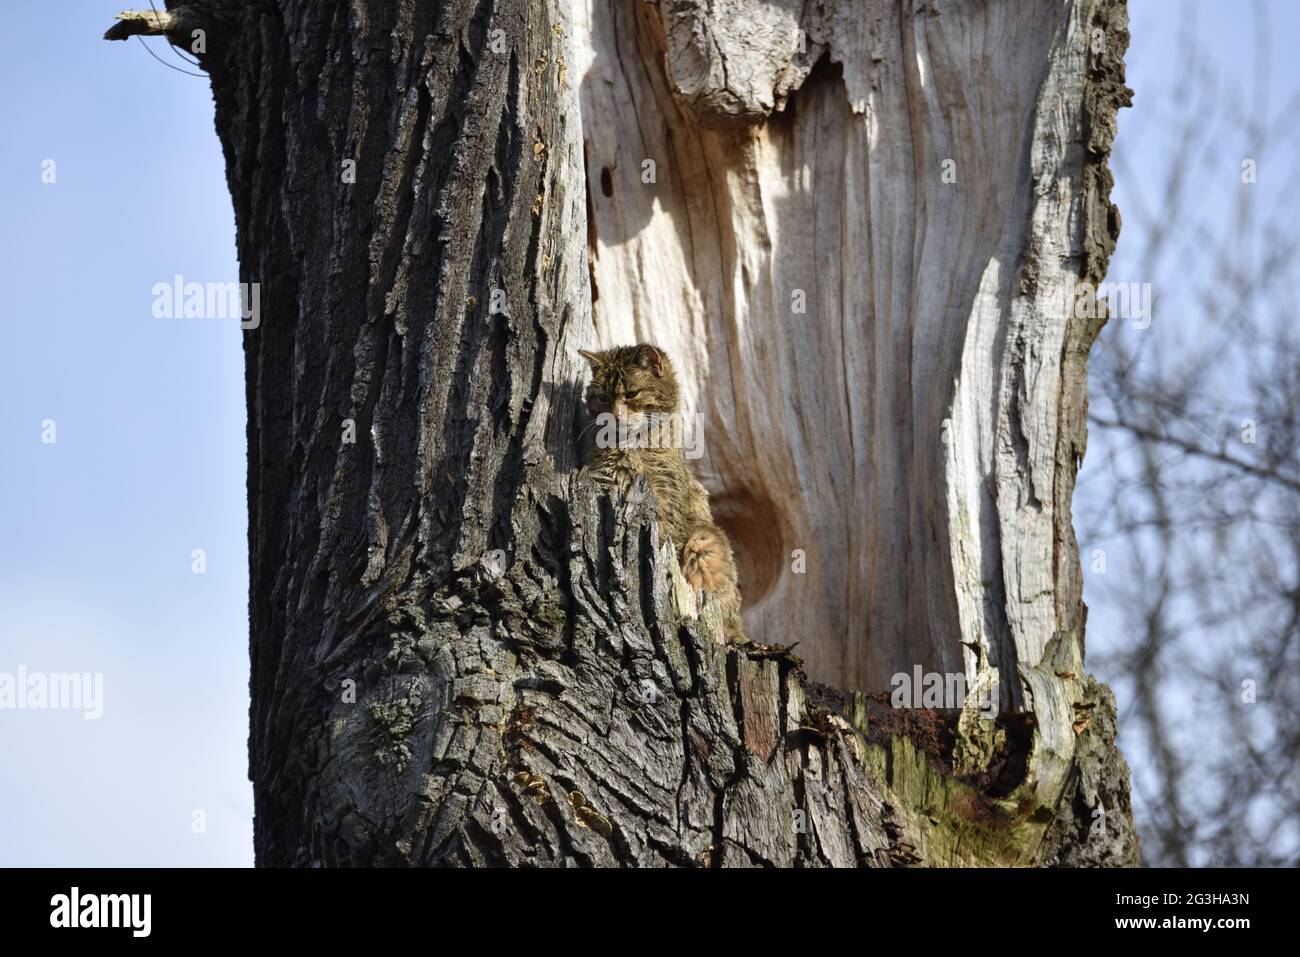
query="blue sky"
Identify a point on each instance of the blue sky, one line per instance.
(148, 463)
(1244, 68)
(149, 459)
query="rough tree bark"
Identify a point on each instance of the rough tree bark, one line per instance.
(463, 653)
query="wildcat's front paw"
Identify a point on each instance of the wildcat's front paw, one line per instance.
(619, 480)
(704, 561)
(589, 474)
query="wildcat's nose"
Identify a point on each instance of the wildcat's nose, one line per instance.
(620, 410)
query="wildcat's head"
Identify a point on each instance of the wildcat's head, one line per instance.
(631, 382)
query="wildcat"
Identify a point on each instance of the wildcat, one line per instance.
(634, 403)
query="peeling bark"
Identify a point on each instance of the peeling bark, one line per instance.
(463, 653)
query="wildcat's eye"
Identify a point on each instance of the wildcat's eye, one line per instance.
(632, 395)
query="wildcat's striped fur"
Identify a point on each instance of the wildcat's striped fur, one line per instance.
(634, 387)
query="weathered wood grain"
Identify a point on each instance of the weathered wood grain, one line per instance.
(904, 432)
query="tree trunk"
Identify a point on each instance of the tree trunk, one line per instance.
(462, 651)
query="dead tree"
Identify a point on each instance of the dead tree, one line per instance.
(852, 225)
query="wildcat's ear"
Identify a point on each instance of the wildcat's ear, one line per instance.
(648, 357)
(592, 357)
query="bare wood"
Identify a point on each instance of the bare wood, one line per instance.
(142, 23)
(903, 432)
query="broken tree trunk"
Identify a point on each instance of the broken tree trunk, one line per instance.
(849, 223)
